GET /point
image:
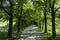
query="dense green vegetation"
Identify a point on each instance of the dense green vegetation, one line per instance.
(17, 15)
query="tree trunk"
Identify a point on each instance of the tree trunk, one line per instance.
(18, 24)
(45, 21)
(10, 22)
(42, 24)
(53, 20)
(10, 27)
(53, 25)
(45, 16)
(19, 18)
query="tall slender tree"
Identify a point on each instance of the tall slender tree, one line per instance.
(53, 20)
(10, 22)
(45, 16)
(53, 12)
(20, 8)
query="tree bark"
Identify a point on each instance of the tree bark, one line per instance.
(45, 21)
(19, 18)
(18, 24)
(53, 25)
(42, 24)
(53, 20)
(45, 16)
(10, 22)
(10, 27)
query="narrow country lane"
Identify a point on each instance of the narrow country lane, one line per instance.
(31, 33)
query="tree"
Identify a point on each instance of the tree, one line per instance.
(45, 16)
(8, 11)
(53, 20)
(53, 12)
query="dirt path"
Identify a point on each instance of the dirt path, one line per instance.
(31, 33)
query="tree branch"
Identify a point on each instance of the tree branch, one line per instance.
(6, 11)
(57, 9)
